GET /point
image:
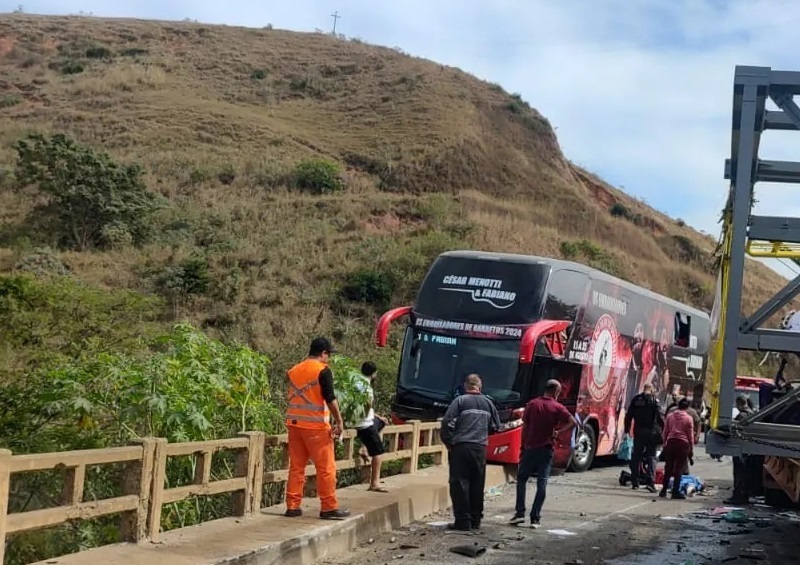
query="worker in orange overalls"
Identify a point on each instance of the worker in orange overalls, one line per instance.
(311, 402)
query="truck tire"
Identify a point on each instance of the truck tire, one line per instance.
(585, 449)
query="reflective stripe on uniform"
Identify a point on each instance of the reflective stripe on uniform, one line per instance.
(307, 405)
(320, 419)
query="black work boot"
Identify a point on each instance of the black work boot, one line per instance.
(293, 513)
(339, 514)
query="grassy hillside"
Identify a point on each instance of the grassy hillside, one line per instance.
(304, 183)
(225, 119)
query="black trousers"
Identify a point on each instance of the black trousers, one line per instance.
(467, 483)
(741, 480)
(747, 480)
(644, 451)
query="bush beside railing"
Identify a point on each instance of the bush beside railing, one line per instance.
(144, 490)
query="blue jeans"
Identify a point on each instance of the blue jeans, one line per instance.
(537, 461)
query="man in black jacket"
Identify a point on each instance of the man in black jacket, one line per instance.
(648, 422)
(466, 426)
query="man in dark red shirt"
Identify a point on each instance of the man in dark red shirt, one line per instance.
(543, 421)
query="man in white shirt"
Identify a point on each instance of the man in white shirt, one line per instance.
(369, 430)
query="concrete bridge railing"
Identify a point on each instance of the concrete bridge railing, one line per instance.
(144, 491)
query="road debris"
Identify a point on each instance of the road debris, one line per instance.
(562, 533)
(473, 550)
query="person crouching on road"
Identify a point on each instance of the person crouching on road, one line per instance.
(466, 426)
(369, 429)
(678, 447)
(543, 420)
(311, 401)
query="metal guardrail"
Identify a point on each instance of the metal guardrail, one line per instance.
(144, 490)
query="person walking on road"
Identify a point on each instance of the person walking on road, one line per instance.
(645, 415)
(466, 426)
(369, 429)
(543, 421)
(311, 402)
(678, 447)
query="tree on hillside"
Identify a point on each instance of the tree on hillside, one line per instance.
(90, 200)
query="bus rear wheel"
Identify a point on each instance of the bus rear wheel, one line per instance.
(585, 448)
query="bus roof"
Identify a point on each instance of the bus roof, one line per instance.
(594, 273)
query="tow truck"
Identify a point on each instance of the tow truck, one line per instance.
(773, 431)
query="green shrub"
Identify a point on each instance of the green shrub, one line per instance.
(592, 255)
(71, 67)
(318, 176)
(98, 52)
(369, 286)
(198, 176)
(42, 262)
(58, 316)
(90, 200)
(351, 391)
(227, 175)
(258, 74)
(10, 100)
(190, 276)
(189, 388)
(133, 52)
(618, 210)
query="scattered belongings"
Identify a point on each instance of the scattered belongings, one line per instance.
(473, 550)
(736, 517)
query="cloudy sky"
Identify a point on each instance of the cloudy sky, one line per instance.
(639, 90)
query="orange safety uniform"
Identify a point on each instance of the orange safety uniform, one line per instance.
(307, 420)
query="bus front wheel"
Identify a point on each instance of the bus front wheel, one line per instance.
(585, 448)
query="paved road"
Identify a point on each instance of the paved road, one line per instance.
(606, 524)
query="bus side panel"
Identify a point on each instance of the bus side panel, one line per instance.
(629, 340)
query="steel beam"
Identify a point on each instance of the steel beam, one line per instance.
(779, 121)
(770, 171)
(766, 310)
(785, 101)
(749, 100)
(761, 339)
(736, 447)
(784, 81)
(774, 228)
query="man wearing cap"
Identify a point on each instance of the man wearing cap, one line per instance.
(311, 402)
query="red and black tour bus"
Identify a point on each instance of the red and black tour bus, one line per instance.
(520, 320)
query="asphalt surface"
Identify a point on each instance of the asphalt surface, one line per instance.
(588, 519)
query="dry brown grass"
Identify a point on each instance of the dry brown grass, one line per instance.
(471, 167)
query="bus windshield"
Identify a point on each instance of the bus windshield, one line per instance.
(436, 365)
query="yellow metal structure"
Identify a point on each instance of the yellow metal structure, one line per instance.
(775, 250)
(722, 308)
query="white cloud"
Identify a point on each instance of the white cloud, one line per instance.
(640, 91)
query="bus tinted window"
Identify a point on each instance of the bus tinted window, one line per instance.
(565, 293)
(438, 364)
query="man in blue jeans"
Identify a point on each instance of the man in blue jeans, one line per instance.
(543, 421)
